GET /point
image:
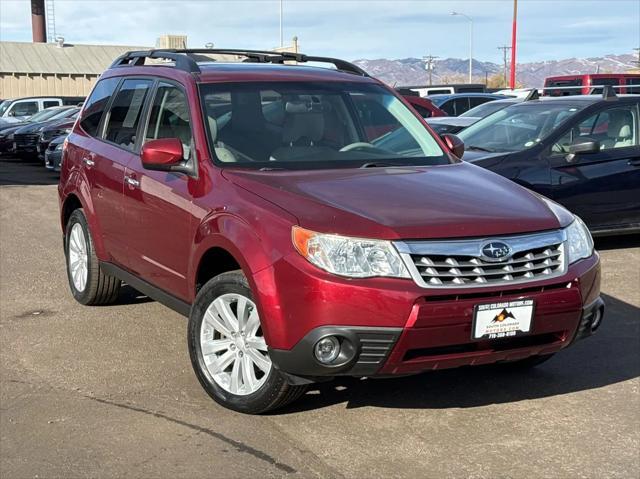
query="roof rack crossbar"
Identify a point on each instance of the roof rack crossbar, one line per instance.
(184, 61)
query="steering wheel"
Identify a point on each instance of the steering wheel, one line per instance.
(356, 145)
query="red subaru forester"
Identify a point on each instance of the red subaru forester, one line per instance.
(268, 200)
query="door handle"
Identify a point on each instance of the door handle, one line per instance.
(634, 162)
(132, 181)
(88, 161)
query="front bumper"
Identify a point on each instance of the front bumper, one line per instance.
(395, 332)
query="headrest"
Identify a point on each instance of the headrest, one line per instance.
(304, 120)
(618, 120)
(625, 132)
(298, 126)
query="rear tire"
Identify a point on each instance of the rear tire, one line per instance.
(235, 369)
(89, 284)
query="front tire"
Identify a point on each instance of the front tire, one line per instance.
(228, 351)
(89, 284)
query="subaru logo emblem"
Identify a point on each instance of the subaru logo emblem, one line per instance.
(496, 251)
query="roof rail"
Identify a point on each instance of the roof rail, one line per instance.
(184, 59)
(608, 93)
(532, 95)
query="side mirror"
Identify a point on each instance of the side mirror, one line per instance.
(455, 144)
(11, 113)
(165, 154)
(581, 148)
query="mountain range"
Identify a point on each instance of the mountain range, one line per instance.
(411, 71)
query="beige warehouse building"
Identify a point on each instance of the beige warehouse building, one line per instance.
(33, 69)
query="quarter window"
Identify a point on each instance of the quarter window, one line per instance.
(96, 105)
(125, 112)
(170, 117)
(47, 104)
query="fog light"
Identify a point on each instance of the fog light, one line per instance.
(327, 349)
(597, 319)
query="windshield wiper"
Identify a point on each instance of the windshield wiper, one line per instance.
(479, 148)
(379, 164)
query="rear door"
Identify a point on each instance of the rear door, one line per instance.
(158, 204)
(603, 187)
(111, 120)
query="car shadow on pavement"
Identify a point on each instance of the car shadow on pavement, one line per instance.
(23, 172)
(617, 242)
(609, 356)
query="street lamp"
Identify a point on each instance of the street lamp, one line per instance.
(470, 41)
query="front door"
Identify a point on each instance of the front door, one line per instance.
(158, 204)
(602, 187)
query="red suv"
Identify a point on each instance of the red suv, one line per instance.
(266, 200)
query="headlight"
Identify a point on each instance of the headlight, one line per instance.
(10, 137)
(352, 257)
(59, 147)
(579, 241)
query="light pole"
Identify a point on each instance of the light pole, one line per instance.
(470, 41)
(281, 36)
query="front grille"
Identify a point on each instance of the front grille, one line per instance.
(455, 264)
(26, 140)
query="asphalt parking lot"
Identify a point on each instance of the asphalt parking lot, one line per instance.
(109, 391)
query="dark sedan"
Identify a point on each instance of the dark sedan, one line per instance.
(581, 151)
(456, 104)
(25, 139)
(53, 130)
(53, 153)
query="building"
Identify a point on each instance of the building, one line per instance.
(29, 69)
(34, 69)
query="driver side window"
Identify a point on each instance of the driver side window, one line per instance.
(613, 128)
(170, 117)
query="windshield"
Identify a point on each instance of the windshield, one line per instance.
(518, 126)
(274, 125)
(63, 113)
(44, 115)
(4, 106)
(487, 109)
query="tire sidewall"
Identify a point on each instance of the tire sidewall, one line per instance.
(234, 282)
(85, 296)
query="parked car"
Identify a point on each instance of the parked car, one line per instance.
(53, 130)
(12, 111)
(53, 153)
(448, 89)
(304, 246)
(455, 124)
(424, 106)
(25, 139)
(566, 85)
(581, 151)
(458, 103)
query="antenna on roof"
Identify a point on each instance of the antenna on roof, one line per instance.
(608, 93)
(532, 95)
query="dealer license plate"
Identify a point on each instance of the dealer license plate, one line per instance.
(502, 320)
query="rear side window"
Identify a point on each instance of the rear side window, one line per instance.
(449, 108)
(125, 113)
(48, 103)
(96, 105)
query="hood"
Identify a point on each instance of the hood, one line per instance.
(463, 121)
(457, 200)
(475, 155)
(30, 128)
(59, 124)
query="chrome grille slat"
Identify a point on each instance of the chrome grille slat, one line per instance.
(460, 263)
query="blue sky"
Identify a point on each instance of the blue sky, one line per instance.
(548, 29)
